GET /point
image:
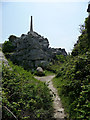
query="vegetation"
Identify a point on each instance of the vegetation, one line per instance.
(83, 43)
(8, 47)
(24, 97)
(72, 80)
(61, 58)
(0, 49)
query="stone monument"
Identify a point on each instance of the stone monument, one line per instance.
(31, 24)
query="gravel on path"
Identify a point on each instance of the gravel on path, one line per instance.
(58, 108)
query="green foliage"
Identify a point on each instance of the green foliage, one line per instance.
(83, 43)
(72, 79)
(72, 82)
(48, 73)
(7, 47)
(61, 58)
(29, 99)
(26, 97)
(39, 73)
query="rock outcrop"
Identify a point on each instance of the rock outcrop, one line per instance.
(32, 50)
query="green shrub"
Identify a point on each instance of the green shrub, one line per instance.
(25, 96)
(83, 43)
(8, 47)
(72, 82)
(61, 58)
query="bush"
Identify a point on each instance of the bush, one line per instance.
(26, 97)
(72, 82)
(83, 43)
(8, 47)
(61, 58)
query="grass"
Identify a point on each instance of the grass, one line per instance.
(28, 95)
(58, 83)
(48, 73)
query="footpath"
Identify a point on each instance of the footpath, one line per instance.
(58, 108)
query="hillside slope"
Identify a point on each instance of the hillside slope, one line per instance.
(24, 97)
(72, 80)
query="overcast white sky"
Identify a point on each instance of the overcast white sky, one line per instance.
(57, 21)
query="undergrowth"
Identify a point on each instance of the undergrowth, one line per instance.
(24, 97)
(73, 78)
(72, 82)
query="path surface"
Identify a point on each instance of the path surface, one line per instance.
(58, 109)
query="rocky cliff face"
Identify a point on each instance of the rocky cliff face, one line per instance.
(32, 50)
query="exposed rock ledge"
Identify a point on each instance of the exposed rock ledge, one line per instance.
(32, 50)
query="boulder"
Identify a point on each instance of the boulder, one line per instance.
(40, 71)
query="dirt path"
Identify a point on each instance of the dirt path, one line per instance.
(58, 109)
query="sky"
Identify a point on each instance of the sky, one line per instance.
(57, 21)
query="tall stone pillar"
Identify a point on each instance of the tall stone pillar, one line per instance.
(31, 25)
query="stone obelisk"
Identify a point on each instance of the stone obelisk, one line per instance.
(31, 25)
